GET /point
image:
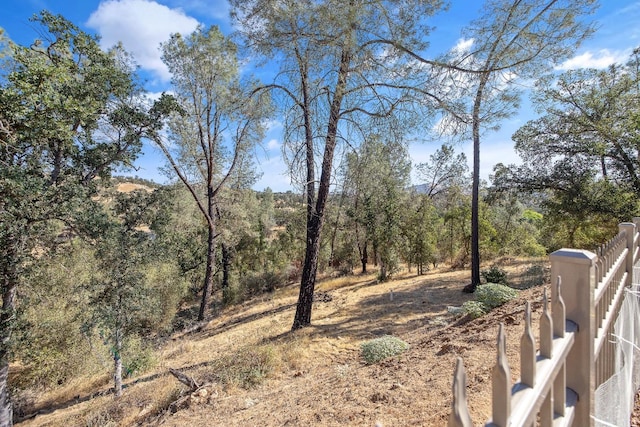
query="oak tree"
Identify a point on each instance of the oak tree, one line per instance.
(68, 116)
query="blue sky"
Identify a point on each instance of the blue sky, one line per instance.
(142, 25)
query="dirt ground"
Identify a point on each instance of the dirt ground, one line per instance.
(321, 378)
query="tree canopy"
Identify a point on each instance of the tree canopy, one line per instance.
(340, 79)
(68, 116)
(512, 40)
(219, 124)
(583, 152)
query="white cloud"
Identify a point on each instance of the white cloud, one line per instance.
(272, 125)
(601, 59)
(463, 46)
(141, 25)
(275, 175)
(273, 144)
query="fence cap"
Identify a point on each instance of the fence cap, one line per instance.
(575, 256)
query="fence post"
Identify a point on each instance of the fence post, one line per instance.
(577, 270)
(630, 229)
(636, 221)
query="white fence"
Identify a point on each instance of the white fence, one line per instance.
(577, 351)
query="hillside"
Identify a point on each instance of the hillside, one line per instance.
(256, 372)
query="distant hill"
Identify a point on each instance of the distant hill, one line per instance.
(128, 187)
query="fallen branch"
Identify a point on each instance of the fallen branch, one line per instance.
(185, 379)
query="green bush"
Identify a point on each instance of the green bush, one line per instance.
(493, 295)
(137, 357)
(255, 284)
(488, 297)
(535, 275)
(474, 309)
(382, 348)
(48, 338)
(495, 275)
(167, 288)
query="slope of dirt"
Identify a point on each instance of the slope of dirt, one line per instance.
(320, 378)
(334, 387)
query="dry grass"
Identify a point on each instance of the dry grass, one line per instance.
(256, 372)
(128, 187)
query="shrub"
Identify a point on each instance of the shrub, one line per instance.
(382, 348)
(530, 247)
(255, 284)
(474, 309)
(246, 368)
(495, 275)
(48, 338)
(137, 356)
(167, 289)
(493, 295)
(535, 275)
(488, 297)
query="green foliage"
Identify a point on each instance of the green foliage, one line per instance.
(138, 356)
(382, 348)
(454, 242)
(419, 229)
(581, 157)
(345, 257)
(444, 171)
(256, 284)
(205, 67)
(495, 274)
(493, 295)
(121, 303)
(376, 178)
(488, 297)
(529, 246)
(532, 216)
(474, 309)
(68, 118)
(49, 342)
(167, 289)
(516, 229)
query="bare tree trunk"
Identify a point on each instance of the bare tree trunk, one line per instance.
(6, 409)
(226, 271)
(117, 366)
(362, 247)
(209, 272)
(334, 232)
(475, 224)
(315, 218)
(308, 282)
(383, 270)
(475, 193)
(374, 245)
(9, 286)
(364, 258)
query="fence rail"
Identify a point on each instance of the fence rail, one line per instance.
(577, 352)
